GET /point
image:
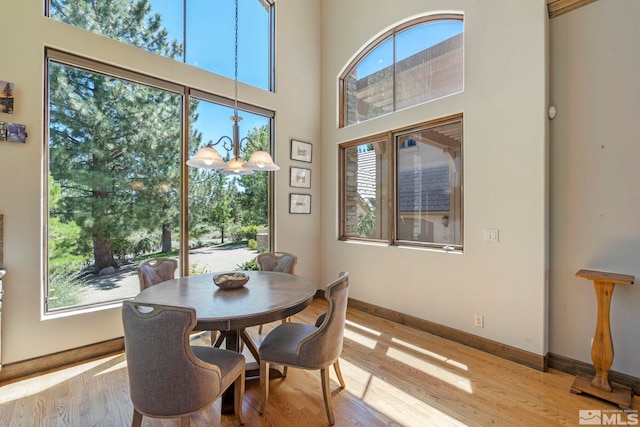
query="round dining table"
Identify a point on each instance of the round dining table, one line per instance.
(267, 296)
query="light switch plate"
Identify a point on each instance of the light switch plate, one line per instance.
(491, 234)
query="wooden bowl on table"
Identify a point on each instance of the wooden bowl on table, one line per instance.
(230, 280)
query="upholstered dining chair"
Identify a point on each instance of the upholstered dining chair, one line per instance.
(168, 378)
(309, 346)
(277, 261)
(154, 271)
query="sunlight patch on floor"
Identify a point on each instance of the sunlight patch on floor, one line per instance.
(404, 408)
(41, 382)
(428, 368)
(363, 328)
(115, 367)
(430, 354)
(360, 339)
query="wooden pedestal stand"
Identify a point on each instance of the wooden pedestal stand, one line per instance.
(602, 348)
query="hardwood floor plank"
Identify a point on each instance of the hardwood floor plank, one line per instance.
(395, 376)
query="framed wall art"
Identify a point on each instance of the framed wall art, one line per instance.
(300, 177)
(301, 151)
(6, 97)
(299, 203)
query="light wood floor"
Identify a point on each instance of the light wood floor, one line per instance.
(395, 376)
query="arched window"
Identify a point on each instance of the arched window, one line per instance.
(413, 63)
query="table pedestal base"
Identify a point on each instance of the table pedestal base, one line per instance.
(252, 369)
(620, 394)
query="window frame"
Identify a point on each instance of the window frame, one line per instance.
(392, 201)
(382, 38)
(384, 137)
(185, 91)
(271, 66)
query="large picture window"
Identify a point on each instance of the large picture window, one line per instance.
(414, 63)
(197, 32)
(423, 206)
(116, 178)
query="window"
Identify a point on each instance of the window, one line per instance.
(235, 207)
(424, 206)
(412, 64)
(197, 32)
(116, 181)
(428, 190)
(365, 188)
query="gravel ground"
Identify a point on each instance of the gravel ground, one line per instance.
(124, 283)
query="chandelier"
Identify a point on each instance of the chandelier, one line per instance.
(209, 158)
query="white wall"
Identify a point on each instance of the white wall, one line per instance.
(595, 177)
(504, 153)
(25, 34)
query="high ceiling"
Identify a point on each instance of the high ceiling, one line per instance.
(558, 7)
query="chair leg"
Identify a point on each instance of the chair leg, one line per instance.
(137, 419)
(336, 366)
(218, 342)
(185, 421)
(326, 392)
(238, 395)
(264, 385)
(260, 330)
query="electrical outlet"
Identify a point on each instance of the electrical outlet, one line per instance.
(478, 321)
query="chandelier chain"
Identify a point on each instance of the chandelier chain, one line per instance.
(235, 105)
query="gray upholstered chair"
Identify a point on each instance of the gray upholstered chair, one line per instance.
(168, 378)
(282, 262)
(154, 271)
(277, 261)
(309, 346)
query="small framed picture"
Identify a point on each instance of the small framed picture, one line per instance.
(300, 177)
(16, 133)
(301, 151)
(6, 97)
(300, 203)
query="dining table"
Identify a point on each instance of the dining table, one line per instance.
(267, 296)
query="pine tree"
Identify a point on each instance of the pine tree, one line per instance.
(114, 145)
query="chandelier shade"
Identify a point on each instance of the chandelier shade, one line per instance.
(207, 158)
(260, 160)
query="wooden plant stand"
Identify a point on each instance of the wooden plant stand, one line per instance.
(602, 348)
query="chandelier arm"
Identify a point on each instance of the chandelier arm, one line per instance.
(223, 141)
(250, 143)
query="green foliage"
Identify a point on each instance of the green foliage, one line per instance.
(253, 201)
(252, 244)
(66, 241)
(367, 223)
(246, 232)
(129, 21)
(195, 269)
(121, 247)
(144, 246)
(248, 265)
(65, 287)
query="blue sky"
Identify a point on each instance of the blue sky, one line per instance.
(408, 43)
(210, 36)
(210, 45)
